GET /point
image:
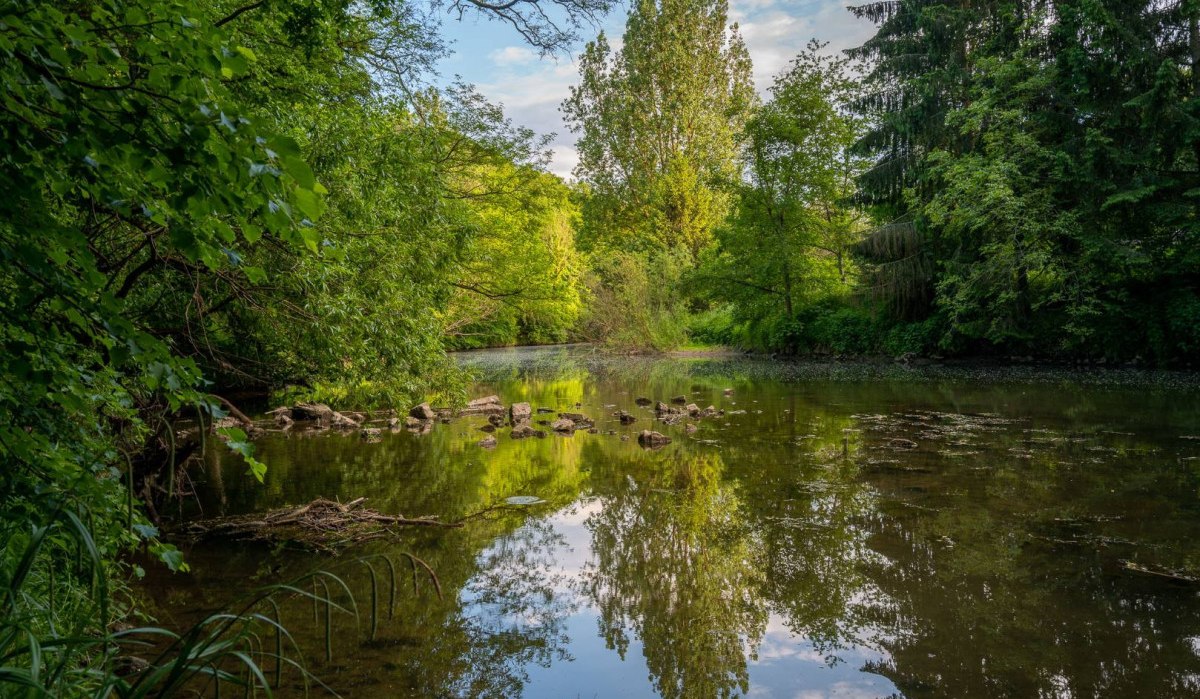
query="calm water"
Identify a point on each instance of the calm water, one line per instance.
(857, 532)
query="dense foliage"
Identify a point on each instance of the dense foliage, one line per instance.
(207, 197)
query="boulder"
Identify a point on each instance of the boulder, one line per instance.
(564, 426)
(371, 434)
(728, 391)
(480, 402)
(423, 412)
(625, 417)
(643, 402)
(692, 409)
(412, 423)
(340, 422)
(488, 442)
(488, 428)
(520, 412)
(495, 420)
(690, 428)
(653, 440)
(679, 399)
(284, 420)
(311, 411)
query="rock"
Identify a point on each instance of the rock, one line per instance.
(519, 412)
(624, 438)
(579, 419)
(728, 391)
(690, 428)
(489, 405)
(901, 443)
(679, 399)
(593, 430)
(412, 423)
(372, 434)
(523, 430)
(652, 440)
(284, 420)
(545, 411)
(643, 402)
(495, 420)
(693, 409)
(563, 425)
(423, 412)
(711, 411)
(488, 427)
(394, 423)
(625, 417)
(340, 422)
(487, 442)
(311, 411)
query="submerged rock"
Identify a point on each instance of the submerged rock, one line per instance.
(489, 405)
(679, 399)
(524, 430)
(643, 402)
(488, 427)
(545, 411)
(422, 412)
(487, 442)
(690, 428)
(371, 434)
(651, 440)
(624, 417)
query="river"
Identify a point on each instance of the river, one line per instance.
(858, 531)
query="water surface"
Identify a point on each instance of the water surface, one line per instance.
(857, 532)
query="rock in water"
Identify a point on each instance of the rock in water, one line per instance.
(690, 428)
(625, 417)
(422, 412)
(523, 430)
(652, 440)
(520, 412)
(372, 434)
(563, 425)
(487, 442)
(488, 427)
(693, 409)
(679, 399)
(643, 402)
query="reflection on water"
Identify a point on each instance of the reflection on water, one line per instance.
(875, 534)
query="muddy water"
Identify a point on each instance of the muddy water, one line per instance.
(856, 532)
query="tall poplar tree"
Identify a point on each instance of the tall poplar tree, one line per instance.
(658, 124)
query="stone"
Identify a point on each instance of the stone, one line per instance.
(489, 405)
(643, 402)
(563, 425)
(728, 391)
(495, 420)
(412, 423)
(371, 434)
(679, 399)
(578, 418)
(690, 428)
(488, 442)
(488, 427)
(692, 409)
(423, 412)
(545, 411)
(519, 412)
(625, 417)
(524, 430)
(653, 440)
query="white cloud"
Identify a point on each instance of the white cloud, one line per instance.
(513, 56)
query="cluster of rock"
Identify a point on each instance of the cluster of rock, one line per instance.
(520, 417)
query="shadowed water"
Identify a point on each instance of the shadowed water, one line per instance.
(857, 532)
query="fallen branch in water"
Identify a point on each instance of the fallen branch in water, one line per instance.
(321, 524)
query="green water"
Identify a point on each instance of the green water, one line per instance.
(857, 532)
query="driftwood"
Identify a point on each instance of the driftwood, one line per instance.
(321, 524)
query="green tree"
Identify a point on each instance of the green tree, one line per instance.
(788, 243)
(658, 123)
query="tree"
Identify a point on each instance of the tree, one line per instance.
(658, 123)
(790, 237)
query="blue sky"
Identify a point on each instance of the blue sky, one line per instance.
(491, 56)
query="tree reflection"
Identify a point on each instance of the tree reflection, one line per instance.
(675, 566)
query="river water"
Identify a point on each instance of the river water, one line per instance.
(858, 531)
